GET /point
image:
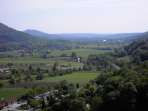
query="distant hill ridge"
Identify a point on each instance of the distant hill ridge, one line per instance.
(8, 34)
(13, 39)
(36, 33)
(81, 36)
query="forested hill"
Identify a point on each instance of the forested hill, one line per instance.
(11, 39)
(38, 33)
(8, 34)
(139, 48)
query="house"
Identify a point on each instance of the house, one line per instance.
(77, 59)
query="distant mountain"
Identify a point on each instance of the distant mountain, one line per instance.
(12, 39)
(37, 33)
(85, 36)
(8, 34)
(95, 37)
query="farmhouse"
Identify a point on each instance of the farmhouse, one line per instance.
(77, 59)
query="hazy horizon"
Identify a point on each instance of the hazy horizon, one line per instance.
(76, 16)
(101, 33)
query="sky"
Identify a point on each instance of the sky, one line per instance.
(76, 16)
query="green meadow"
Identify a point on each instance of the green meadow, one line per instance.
(76, 77)
(31, 60)
(11, 92)
(82, 52)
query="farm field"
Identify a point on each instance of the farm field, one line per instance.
(30, 60)
(82, 52)
(76, 77)
(11, 92)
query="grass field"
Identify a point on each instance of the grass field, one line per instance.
(80, 52)
(76, 77)
(11, 92)
(31, 60)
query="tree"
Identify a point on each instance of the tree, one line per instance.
(12, 80)
(51, 100)
(1, 84)
(42, 103)
(55, 67)
(30, 68)
(27, 76)
(14, 72)
(73, 55)
(77, 85)
(39, 76)
(77, 105)
(34, 103)
(96, 103)
(38, 70)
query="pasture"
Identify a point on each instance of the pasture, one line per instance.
(6, 93)
(31, 60)
(76, 77)
(82, 52)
